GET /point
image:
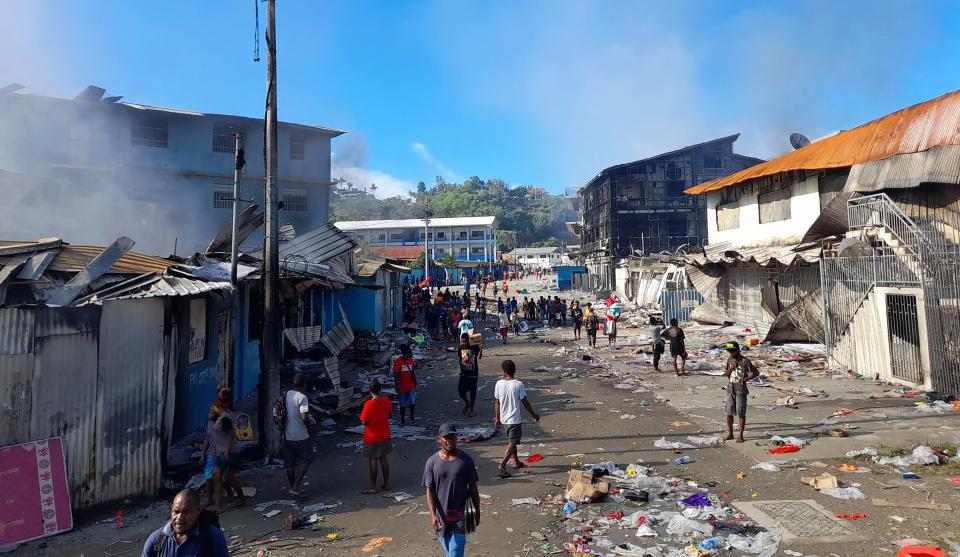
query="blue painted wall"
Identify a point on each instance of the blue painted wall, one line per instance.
(364, 307)
(671, 302)
(565, 275)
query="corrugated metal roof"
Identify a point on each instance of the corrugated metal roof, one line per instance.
(73, 258)
(910, 130)
(318, 246)
(158, 286)
(534, 251)
(403, 253)
(724, 252)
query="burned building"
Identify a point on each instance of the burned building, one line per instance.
(639, 207)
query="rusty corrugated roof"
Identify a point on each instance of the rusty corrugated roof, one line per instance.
(73, 258)
(910, 130)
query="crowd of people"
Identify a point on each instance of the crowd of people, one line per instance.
(450, 476)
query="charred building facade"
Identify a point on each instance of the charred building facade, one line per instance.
(640, 207)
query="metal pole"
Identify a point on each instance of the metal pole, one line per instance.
(238, 163)
(270, 367)
(426, 250)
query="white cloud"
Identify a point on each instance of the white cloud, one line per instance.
(435, 164)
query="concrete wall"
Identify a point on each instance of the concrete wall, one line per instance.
(449, 244)
(865, 348)
(804, 210)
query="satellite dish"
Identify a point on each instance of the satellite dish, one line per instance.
(798, 140)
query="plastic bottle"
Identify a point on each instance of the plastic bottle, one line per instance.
(682, 460)
(569, 507)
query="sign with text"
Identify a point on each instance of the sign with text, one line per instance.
(34, 495)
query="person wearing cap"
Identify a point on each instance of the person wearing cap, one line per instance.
(450, 478)
(739, 371)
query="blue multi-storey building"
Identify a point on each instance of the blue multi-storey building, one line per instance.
(93, 168)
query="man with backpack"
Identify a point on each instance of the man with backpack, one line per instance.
(291, 413)
(191, 532)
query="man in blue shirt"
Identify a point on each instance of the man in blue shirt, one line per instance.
(186, 534)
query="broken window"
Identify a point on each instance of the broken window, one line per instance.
(774, 205)
(712, 161)
(728, 216)
(674, 171)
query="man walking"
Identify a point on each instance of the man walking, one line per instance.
(297, 447)
(592, 325)
(678, 348)
(375, 418)
(405, 378)
(510, 395)
(469, 356)
(739, 371)
(190, 532)
(450, 478)
(576, 314)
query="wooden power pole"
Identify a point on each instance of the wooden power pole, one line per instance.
(269, 384)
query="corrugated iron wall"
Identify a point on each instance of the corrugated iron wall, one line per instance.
(129, 405)
(679, 303)
(96, 380)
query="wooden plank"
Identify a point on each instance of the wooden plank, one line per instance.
(911, 504)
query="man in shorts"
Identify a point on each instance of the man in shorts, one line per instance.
(297, 446)
(739, 371)
(405, 378)
(510, 395)
(375, 418)
(678, 348)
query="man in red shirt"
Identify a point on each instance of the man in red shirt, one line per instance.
(376, 436)
(404, 375)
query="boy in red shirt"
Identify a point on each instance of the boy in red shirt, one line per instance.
(405, 377)
(376, 436)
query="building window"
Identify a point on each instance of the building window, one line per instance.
(298, 146)
(462, 234)
(382, 238)
(728, 216)
(295, 201)
(674, 171)
(441, 235)
(223, 140)
(476, 251)
(396, 237)
(476, 234)
(463, 251)
(712, 161)
(222, 197)
(149, 133)
(438, 251)
(774, 205)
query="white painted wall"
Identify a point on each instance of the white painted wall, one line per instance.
(804, 210)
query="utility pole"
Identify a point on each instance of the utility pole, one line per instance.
(426, 249)
(270, 366)
(238, 164)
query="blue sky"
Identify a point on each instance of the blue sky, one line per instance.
(536, 92)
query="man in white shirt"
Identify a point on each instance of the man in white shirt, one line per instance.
(510, 395)
(297, 447)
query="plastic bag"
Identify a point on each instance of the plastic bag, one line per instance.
(783, 449)
(645, 531)
(705, 440)
(662, 443)
(843, 492)
(680, 525)
(608, 467)
(764, 544)
(922, 455)
(767, 466)
(796, 441)
(868, 451)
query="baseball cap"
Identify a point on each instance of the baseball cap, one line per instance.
(732, 346)
(447, 429)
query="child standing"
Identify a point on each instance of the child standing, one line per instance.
(375, 418)
(504, 323)
(405, 377)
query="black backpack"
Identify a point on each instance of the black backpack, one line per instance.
(207, 520)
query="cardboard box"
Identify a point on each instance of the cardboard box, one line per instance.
(822, 481)
(582, 489)
(476, 338)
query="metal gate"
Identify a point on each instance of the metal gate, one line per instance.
(904, 336)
